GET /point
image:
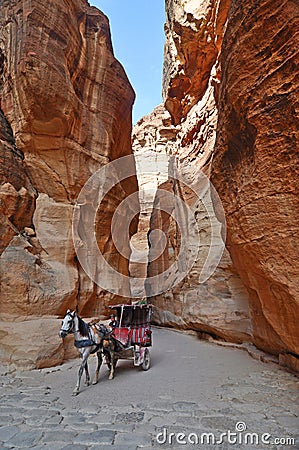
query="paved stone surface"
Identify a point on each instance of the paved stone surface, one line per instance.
(194, 392)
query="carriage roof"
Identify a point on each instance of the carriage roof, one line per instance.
(133, 315)
(126, 306)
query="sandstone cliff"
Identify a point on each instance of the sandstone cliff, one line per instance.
(194, 32)
(220, 305)
(191, 78)
(230, 83)
(152, 139)
(256, 167)
(65, 112)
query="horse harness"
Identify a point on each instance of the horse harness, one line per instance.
(101, 331)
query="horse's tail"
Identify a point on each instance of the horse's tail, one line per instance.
(118, 346)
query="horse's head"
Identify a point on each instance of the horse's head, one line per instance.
(102, 330)
(67, 325)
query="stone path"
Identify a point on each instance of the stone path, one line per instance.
(194, 388)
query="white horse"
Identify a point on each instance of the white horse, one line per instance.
(87, 341)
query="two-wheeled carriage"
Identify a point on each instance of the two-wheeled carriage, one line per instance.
(134, 333)
(129, 340)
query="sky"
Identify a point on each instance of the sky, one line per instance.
(137, 28)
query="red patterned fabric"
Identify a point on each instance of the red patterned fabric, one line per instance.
(130, 336)
(122, 334)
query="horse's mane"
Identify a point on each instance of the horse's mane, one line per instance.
(83, 327)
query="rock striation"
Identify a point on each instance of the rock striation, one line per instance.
(194, 32)
(218, 306)
(256, 167)
(152, 140)
(65, 112)
(16, 192)
(230, 83)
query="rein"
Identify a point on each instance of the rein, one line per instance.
(84, 331)
(85, 342)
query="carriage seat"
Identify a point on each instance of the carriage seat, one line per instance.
(123, 335)
(141, 335)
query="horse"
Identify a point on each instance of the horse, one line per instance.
(87, 341)
(111, 348)
(91, 339)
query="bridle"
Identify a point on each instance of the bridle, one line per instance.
(64, 331)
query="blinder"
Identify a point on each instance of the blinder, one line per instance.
(65, 331)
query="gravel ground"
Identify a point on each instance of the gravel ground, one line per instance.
(193, 393)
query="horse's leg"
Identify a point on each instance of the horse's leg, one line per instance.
(107, 350)
(96, 375)
(87, 380)
(84, 357)
(113, 364)
(108, 360)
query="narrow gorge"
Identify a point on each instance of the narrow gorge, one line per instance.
(66, 111)
(229, 83)
(229, 110)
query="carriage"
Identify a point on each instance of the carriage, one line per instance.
(129, 340)
(134, 333)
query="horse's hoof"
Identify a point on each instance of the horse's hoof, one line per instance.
(95, 382)
(87, 383)
(111, 377)
(75, 392)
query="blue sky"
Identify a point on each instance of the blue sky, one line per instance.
(137, 28)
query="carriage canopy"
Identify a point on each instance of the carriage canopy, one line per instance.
(133, 315)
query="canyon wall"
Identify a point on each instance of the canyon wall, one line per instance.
(65, 106)
(230, 83)
(152, 138)
(229, 86)
(256, 167)
(219, 306)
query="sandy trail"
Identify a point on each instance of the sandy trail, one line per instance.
(191, 387)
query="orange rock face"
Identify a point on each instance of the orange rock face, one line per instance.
(194, 31)
(256, 167)
(218, 306)
(17, 195)
(65, 112)
(230, 84)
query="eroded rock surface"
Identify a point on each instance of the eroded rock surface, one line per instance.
(256, 167)
(190, 85)
(230, 79)
(194, 31)
(152, 140)
(17, 195)
(65, 112)
(217, 305)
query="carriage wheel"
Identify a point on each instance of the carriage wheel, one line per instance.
(146, 360)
